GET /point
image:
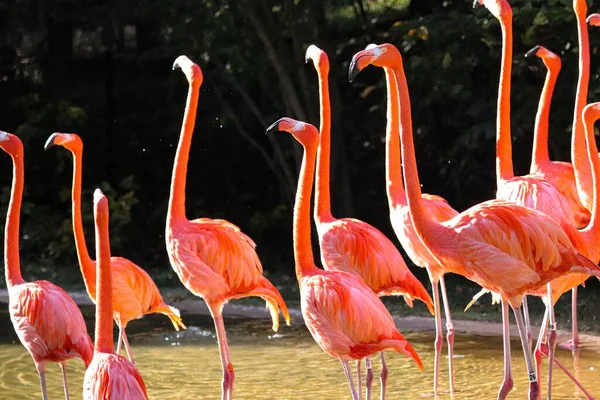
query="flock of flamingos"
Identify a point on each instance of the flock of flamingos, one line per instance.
(538, 237)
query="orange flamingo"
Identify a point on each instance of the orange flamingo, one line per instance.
(436, 206)
(212, 257)
(135, 293)
(109, 376)
(502, 246)
(343, 314)
(351, 245)
(46, 319)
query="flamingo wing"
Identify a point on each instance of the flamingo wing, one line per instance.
(112, 377)
(354, 246)
(49, 323)
(438, 208)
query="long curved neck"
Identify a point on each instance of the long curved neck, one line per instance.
(12, 263)
(579, 157)
(504, 165)
(178, 179)
(104, 310)
(303, 255)
(393, 167)
(421, 221)
(86, 264)
(540, 136)
(592, 231)
(322, 191)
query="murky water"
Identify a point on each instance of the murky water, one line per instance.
(287, 365)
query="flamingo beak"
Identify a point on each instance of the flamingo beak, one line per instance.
(51, 141)
(532, 52)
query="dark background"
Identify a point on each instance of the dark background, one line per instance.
(102, 69)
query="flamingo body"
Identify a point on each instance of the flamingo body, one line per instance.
(346, 318)
(113, 377)
(49, 323)
(354, 246)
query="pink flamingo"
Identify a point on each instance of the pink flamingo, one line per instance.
(343, 314)
(135, 293)
(109, 376)
(212, 257)
(46, 319)
(351, 245)
(436, 206)
(502, 246)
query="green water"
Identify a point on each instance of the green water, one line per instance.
(287, 365)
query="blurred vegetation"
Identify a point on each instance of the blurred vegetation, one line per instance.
(103, 70)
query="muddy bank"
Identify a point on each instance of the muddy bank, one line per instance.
(404, 323)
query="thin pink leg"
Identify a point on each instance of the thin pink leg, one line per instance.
(541, 346)
(127, 347)
(439, 338)
(534, 386)
(574, 342)
(359, 379)
(507, 382)
(551, 340)
(370, 375)
(41, 368)
(449, 334)
(349, 378)
(384, 376)
(63, 369)
(527, 322)
(228, 374)
(568, 374)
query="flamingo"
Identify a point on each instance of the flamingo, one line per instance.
(135, 293)
(502, 246)
(351, 245)
(343, 314)
(46, 319)
(212, 257)
(436, 206)
(109, 376)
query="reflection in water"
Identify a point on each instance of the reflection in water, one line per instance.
(284, 365)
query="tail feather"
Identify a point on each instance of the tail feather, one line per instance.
(173, 314)
(363, 350)
(274, 301)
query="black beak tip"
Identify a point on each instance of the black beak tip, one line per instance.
(475, 3)
(532, 52)
(274, 127)
(175, 65)
(353, 70)
(49, 143)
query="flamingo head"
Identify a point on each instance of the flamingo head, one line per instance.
(550, 59)
(591, 113)
(318, 57)
(593, 19)
(499, 8)
(383, 55)
(192, 71)
(10, 143)
(99, 198)
(70, 141)
(303, 132)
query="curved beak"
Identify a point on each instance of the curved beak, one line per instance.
(476, 3)
(180, 62)
(359, 62)
(285, 124)
(593, 19)
(274, 127)
(532, 52)
(51, 141)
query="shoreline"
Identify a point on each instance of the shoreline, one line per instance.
(404, 323)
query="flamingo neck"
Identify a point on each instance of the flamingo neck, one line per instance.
(581, 163)
(592, 231)
(393, 167)
(303, 255)
(540, 136)
(86, 264)
(421, 221)
(178, 180)
(322, 191)
(504, 165)
(12, 263)
(104, 309)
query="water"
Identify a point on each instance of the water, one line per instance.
(287, 365)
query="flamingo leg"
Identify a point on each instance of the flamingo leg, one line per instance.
(551, 340)
(507, 382)
(540, 346)
(41, 368)
(228, 374)
(534, 386)
(439, 338)
(349, 378)
(527, 322)
(127, 348)
(369, 367)
(574, 342)
(449, 334)
(359, 379)
(63, 369)
(383, 376)
(120, 339)
(569, 375)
